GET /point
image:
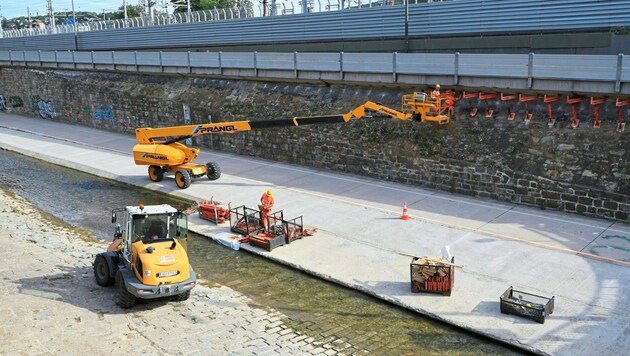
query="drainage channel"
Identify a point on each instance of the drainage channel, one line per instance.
(314, 307)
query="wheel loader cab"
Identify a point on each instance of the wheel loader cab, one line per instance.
(152, 262)
(149, 225)
(151, 228)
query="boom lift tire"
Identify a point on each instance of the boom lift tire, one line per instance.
(101, 272)
(156, 173)
(125, 299)
(213, 170)
(183, 179)
(182, 297)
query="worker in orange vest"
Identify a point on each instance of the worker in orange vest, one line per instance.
(436, 93)
(266, 204)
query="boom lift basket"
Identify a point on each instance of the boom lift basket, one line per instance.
(429, 275)
(525, 304)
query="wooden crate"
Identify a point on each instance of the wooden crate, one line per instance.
(430, 275)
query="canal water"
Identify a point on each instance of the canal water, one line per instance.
(317, 308)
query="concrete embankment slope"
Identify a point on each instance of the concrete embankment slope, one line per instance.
(360, 237)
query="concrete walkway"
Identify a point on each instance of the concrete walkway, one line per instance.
(360, 237)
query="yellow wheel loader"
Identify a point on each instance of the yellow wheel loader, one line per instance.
(162, 151)
(146, 260)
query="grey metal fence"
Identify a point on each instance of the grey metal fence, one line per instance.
(272, 8)
(608, 74)
(461, 17)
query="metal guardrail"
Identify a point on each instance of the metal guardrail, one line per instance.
(609, 72)
(457, 17)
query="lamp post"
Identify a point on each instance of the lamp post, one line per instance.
(150, 4)
(188, 11)
(406, 26)
(74, 18)
(51, 14)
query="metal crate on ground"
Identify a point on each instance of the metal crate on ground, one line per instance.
(432, 275)
(245, 221)
(294, 229)
(275, 234)
(527, 305)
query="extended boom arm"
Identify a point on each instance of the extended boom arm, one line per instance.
(178, 133)
(361, 111)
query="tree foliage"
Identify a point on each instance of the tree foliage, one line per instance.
(132, 11)
(197, 5)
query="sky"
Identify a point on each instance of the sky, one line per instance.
(16, 8)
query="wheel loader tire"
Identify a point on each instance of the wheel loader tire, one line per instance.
(182, 297)
(213, 171)
(182, 179)
(101, 272)
(125, 299)
(156, 173)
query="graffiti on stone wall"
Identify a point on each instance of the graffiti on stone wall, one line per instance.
(16, 101)
(46, 109)
(84, 116)
(103, 113)
(13, 101)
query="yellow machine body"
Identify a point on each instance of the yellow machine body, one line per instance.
(426, 108)
(163, 155)
(162, 265)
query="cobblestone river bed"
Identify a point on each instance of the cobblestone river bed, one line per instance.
(322, 311)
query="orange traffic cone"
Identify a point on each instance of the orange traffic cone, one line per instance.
(405, 213)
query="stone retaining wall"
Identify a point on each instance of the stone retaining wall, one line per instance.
(582, 171)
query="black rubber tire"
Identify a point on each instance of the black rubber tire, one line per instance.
(183, 179)
(182, 297)
(125, 299)
(156, 173)
(213, 170)
(101, 272)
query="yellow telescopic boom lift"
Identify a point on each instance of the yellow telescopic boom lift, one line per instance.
(161, 150)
